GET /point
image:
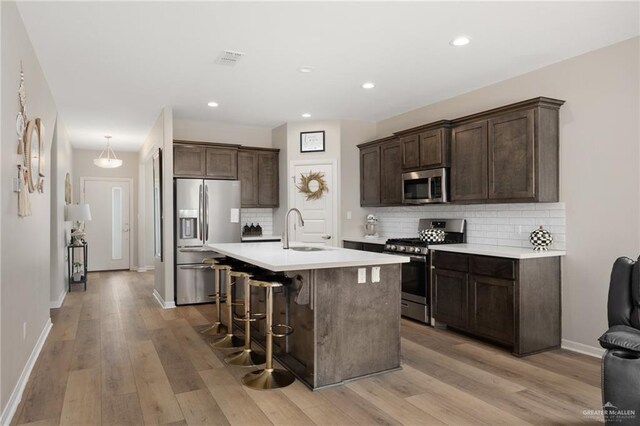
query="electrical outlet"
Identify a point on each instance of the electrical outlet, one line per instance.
(375, 274)
(24, 331)
(362, 275)
(348, 215)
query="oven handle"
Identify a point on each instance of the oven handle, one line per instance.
(414, 258)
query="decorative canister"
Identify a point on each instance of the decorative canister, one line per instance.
(432, 235)
(541, 239)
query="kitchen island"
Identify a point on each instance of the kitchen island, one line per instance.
(344, 307)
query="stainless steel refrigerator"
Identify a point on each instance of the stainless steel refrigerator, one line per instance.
(206, 211)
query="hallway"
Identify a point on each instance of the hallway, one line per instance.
(114, 357)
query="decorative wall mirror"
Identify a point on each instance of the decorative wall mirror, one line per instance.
(67, 189)
(32, 154)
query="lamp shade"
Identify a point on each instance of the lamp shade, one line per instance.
(77, 213)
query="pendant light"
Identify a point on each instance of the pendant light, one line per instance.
(110, 161)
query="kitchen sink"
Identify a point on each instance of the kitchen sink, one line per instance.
(307, 248)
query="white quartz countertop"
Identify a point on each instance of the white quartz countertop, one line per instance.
(262, 238)
(273, 257)
(376, 240)
(497, 251)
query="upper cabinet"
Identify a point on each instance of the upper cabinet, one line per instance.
(258, 175)
(256, 168)
(509, 154)
(381, 172)
(205, 161)
(427, 146)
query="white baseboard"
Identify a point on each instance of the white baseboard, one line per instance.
(16, 396)
(145, 268)
(582, 348)
(161, 302)
(55, 304)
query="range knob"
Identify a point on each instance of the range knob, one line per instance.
(401, 248)
(417, 250)
(392, 247)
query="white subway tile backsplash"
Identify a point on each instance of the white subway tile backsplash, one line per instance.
(496, 224)
(262, 216)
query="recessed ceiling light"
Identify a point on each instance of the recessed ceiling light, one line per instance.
(306, 115)
(368, 85)
(212, 104)
(460, 41)
(306, 69)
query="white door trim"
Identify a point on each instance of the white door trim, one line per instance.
(333, 192)
(132, 223)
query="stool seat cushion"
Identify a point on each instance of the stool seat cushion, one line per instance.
(281, 279)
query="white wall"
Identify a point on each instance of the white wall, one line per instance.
(61, 164)
(599, 157)
(25, 249)
(83, 167)
(161, 136)
(211, 131)
(279, 141)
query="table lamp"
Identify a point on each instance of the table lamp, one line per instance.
(77, 213)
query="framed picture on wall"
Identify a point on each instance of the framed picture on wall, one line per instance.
(312, 141)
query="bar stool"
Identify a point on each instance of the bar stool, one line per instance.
(246, 357)
(270, 378)
(217, 327)
(230, 340)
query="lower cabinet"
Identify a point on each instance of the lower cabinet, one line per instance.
(513, 302)
(356, 245)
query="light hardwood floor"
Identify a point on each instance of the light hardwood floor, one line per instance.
(115, 357)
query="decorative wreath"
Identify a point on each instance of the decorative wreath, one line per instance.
(313, 185)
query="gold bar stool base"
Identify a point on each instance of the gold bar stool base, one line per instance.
(229, 341)
(214, 329)
(245, 358)
(268, 379)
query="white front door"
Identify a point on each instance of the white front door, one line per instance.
(319, 215)
(108, 230)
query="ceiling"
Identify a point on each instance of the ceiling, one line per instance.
(112, 66)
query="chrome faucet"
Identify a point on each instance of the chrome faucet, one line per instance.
(285, 237)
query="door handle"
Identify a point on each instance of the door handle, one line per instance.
(326, 237)
(196, 267)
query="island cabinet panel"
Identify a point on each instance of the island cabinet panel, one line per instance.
(491, 307)
(370, 176)
(258, 172)
(222, 163)
(391, 173)
(189, 160)
(450, 291)
(469, 162)
(513, 302)
(512, 156)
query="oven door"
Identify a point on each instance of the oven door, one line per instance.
(415, 280)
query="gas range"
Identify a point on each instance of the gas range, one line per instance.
(416, 275)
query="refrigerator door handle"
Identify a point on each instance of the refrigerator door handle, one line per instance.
(200, 213)
(206, 214)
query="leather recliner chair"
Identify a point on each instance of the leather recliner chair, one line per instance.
(621, 361)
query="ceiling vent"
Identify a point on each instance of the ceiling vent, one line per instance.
(228, 58)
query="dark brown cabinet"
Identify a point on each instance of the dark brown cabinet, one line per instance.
(513, 302)
(450, 292)
(357, 245)
(205, 160)
(391, 173)
(509, 154)
(258, 171)
(426, 146)
(370, 175)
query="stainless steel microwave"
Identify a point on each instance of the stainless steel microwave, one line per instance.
(425, 186)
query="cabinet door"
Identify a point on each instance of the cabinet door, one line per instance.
(469, 162)
(491, 308)
(222, 163)
(390, 164)
(370, 176)
(450, 305)
(189, 160)
(410, 152)
(353, 245)
(248, 176)
(511, 156)
(268, 179)
(376, 248)
(431, 148)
